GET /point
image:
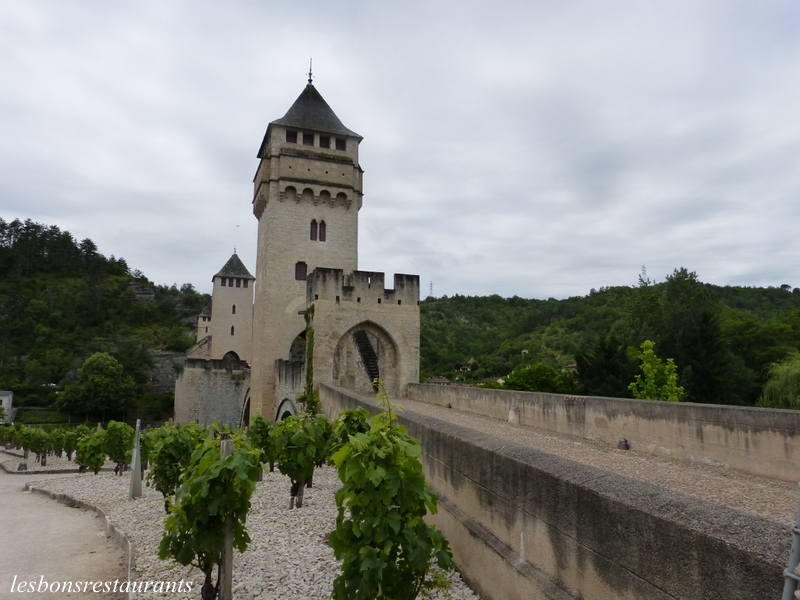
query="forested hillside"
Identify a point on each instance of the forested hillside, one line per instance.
(722, 339)
(62, 301)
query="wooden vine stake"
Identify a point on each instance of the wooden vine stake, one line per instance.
(136, 469)
(226, 560)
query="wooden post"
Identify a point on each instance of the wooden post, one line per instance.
(226, 560)
(135, 490)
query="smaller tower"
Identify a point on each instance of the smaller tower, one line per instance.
(232, 311)
(226, 328)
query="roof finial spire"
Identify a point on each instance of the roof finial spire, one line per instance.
(310, 76)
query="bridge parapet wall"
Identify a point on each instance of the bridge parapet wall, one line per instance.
(527, 525)
(761, 441)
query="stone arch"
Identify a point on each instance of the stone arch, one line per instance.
(244, 420)
(290, 193)
(341, 198)
(297, 351)
(231, 358)
(325, 197)
(364, 353)
(286, 408)
(308, 195)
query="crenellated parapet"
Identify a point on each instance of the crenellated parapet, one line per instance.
(361, 287)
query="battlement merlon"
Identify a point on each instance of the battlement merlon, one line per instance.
(361, 287)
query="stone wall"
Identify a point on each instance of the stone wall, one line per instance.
(208, 391)
(527, 525)
(756, 440)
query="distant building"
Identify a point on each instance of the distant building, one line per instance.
(7, 402)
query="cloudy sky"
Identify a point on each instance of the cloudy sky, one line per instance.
(524, 148)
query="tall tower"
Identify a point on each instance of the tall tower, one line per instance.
(306, 196)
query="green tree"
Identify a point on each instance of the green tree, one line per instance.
(102, 386)
(782, 389)
(606, 369)
(540, 378)
(659, 379)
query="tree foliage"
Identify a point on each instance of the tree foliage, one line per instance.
(102, 386)
(61, 301)
(782, 389)
(659, 379)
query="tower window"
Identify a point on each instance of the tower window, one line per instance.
(244, 282)
(314, 230)
(308, 139)
(231, 329)
(291, 137)
(323, 231)
(300, 269)
(324, 141)
(222, 281)
(341, 144)
(238, 282)
(233, 309)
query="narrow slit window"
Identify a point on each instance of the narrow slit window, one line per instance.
(222, 281)
(314, 229)
(244, 282)
(231, 329)
(238, 282)
(233, 309)
(323, 231)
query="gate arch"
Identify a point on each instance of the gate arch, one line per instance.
(364, 353)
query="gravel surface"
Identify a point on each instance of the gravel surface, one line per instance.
(288, 558)
(767, 498)
(10, 460)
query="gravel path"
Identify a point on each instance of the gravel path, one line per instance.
(288, 558)
(768, 498)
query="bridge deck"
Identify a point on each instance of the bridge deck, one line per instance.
(767, 498)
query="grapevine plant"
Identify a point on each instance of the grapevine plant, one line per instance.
(91, 452)
(119, 444)
(385, 546)
(301, 443)
(212, 489)
(170, 452)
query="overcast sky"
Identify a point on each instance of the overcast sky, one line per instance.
(529, 148)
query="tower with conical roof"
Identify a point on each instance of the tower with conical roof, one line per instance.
(232, 311)
(306, 196)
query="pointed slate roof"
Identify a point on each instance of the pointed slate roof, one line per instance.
(234, 268)
(310, 111)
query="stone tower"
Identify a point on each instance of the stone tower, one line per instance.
(213, 384)
(307, 194)
(232, 311)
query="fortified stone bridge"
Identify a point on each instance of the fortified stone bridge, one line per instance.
(539, 501)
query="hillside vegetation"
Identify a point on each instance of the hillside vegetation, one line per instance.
(722, 339)
(62, 301)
